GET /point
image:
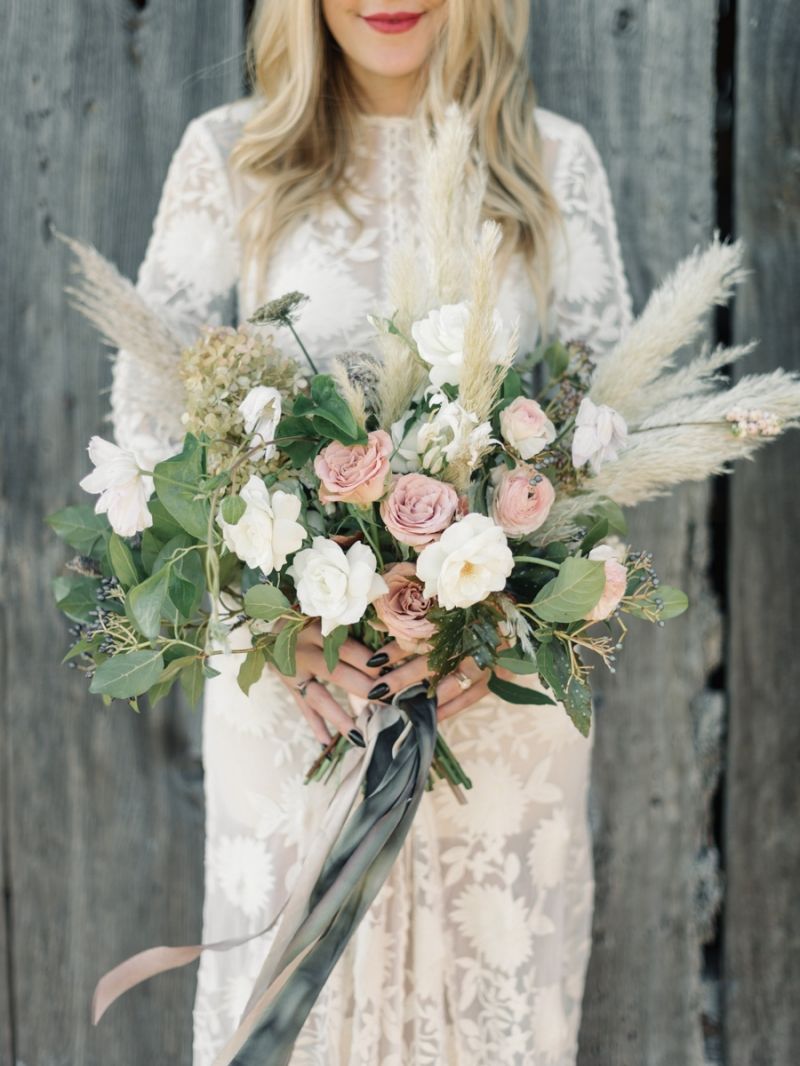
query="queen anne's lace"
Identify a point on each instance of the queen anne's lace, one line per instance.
(475, 950)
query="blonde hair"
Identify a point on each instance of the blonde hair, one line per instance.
(300, 139)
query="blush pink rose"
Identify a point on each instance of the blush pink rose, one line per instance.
(403, 610)
(354, 473)
(525, 427)
(521, 500)
(419, 509)
(616, 582)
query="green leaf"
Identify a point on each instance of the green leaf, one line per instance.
(578, 703)
(266, 602)
(613, 513)
(229, 568)
(554, 666)
(80, 527)
(178, 482)
(515, 660)
(594, 535)
(299, 451)
(187, 583)
(160, 690)
(122, 561)
(128, 674)
(675, 602)
(557, 359)
(174, 545)
(233, 507)
(512, 385)
(332, 644)
(164, 525)
(333, 417)
(76, 596)
(150, 549)
(512, 693)
(250, 670)
(283, 650)
(191, 679)
(573, 591)
(145, 604)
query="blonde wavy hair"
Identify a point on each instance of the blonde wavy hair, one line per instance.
(300, 139)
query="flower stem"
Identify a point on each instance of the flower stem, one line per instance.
(539, 562)
(303, 348)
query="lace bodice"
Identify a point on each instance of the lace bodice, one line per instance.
(192, 268)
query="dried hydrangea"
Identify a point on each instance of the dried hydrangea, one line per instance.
(218, 372)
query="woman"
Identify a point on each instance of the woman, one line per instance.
(475, 949)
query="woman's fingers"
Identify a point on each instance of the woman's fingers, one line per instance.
(355, 653)
(401, 677)
(315, 720)
(454, 684)
(347, 677)
(321, 701)
(463, 700)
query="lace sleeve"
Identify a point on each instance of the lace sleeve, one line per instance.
(188, 274)
(592, 298)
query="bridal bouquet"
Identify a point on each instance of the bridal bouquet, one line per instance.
(456, 496)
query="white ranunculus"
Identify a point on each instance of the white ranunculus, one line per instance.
(440, 341)
(471, 559)
(335, 586)
(124, 489)
(405, 454)
(268, 531)
(600, 433)
(452, 432)
(261, 411)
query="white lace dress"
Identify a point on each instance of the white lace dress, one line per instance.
(475, 950)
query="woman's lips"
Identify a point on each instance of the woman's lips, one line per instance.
(399, 22)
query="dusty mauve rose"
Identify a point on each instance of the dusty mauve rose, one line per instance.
(419, 509)
(616, 581)
(404, 609)
(521, 500)
(525, 427)
(354, 473)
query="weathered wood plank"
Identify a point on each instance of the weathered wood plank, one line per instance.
(639, 76)
(762, 920)
(102, 809)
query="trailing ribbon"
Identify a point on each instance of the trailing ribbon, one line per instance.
(349, 859)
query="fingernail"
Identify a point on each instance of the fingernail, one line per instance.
(378, 691)
(378, 659)
(384, 670)
(357, 738)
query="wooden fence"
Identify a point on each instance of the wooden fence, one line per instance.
(696, 955)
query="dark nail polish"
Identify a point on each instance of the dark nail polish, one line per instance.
(357, 738)
(378, 691)
(378, 659)
(385, 670)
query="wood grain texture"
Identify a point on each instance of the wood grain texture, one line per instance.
(102, 810)
(762, 917)
(639, 77)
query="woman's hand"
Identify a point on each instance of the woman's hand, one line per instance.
(454, 693)
(351, 673)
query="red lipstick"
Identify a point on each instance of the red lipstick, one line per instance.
(396, 22)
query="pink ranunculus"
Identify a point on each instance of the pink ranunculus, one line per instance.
(419, 509)
(616, 582)
(354, 473)
(525, 427)
(403, 610)
(521, 500)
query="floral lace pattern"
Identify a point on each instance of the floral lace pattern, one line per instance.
(475, 950)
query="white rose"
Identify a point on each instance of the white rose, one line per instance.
(599, 434)
(452, 433)
(333, 586)
(405, 453)
(261, 411)
(268, 531)
(124, 489)
(471, 559)
(440, 341)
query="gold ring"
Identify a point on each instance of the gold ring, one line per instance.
(462, 679)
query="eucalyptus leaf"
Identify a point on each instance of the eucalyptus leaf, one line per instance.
(266, 602)
(80, 527)
(191, 679)
(283, 650)
(128, 674)
(573, 591)
(674, 600)
(150, 549)
(515, 660)
(332, 644)
(251, 670)
(145, 604)
(164, 525)
(76, 596)
(187, 583)
(177, 482)
(122, 562)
